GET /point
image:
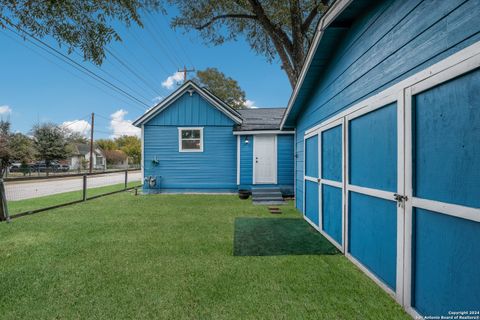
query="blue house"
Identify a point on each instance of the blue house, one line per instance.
(194, 142)
(387, 120)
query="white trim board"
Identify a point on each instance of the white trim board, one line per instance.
(259, 132)
(238, 160)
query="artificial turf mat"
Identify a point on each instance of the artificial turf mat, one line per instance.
(275, 237)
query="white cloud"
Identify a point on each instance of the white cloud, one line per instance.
(80, 126)
(4, 110)
(250, 104)
(122, 127)
(172, 80)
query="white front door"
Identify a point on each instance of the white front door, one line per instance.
(265, 159)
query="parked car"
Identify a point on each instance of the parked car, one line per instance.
(41, 166)
(15, 167)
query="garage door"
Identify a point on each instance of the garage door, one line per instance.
(443, 181)
(372, 190)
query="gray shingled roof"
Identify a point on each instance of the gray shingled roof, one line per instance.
(260, 119)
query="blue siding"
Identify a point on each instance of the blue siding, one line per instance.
(285, 163)
(191, 170)
(447, 135)
(332, 212)
(373, 149)
(311, 197)
(191, 111)
(215, 168)
(246, 163)
(373, 235)
(285, 160)
(446, 264)
(332, 154)
(391, 42)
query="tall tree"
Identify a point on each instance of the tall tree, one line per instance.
(13, 147)
(132, 147)
(106, 144)
(222, 86)
(273, 28)
(50, 142)
(85, 25)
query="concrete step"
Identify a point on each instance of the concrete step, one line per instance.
(267, 196)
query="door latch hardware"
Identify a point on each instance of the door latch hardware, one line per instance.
(400, 199)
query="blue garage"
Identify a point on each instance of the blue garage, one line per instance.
(387, 121)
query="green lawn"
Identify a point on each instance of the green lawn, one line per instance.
(60, 198)
(172, 257)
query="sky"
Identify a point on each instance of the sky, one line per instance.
(36, 87)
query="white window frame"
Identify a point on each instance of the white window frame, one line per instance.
(180, 129)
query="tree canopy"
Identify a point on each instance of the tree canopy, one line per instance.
(13, 147)
(50, 142)
(222, 86)
(273, 28)
(84, 25)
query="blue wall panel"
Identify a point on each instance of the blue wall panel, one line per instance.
(191, 111)
(311, 154)
(373, 235)
(447, 135)
(215, 168)
(332, 212)
(285, 161)
(332, 154)
(446, 264)
(373, 149)
(246, 162)
(311, 201)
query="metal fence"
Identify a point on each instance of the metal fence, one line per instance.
(29, 195)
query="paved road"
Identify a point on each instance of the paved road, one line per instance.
(32, 189)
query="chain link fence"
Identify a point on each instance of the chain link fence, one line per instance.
(29, 195)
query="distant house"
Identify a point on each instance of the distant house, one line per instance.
(193, 141)
(81, 156)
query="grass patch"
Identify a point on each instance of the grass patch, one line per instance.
(170, 257)
(19, 206)
(273, 237)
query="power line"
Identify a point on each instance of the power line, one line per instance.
(86, 80)
(144, 47)
(132, 71)
(159, 41)
(180, 45)
(79, 66)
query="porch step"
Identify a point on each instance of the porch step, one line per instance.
(267, 196)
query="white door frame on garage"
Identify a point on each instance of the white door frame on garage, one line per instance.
(320, 181)
(273, 162)
(465, 60)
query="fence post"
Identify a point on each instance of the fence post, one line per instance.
(84, 187)
(126, 179)
(3, 203)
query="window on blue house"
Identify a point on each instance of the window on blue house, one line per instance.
(190, 139)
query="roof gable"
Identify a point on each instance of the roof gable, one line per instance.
(188, 89)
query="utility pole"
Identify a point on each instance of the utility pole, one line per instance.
(185, 71)
(91, 143)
